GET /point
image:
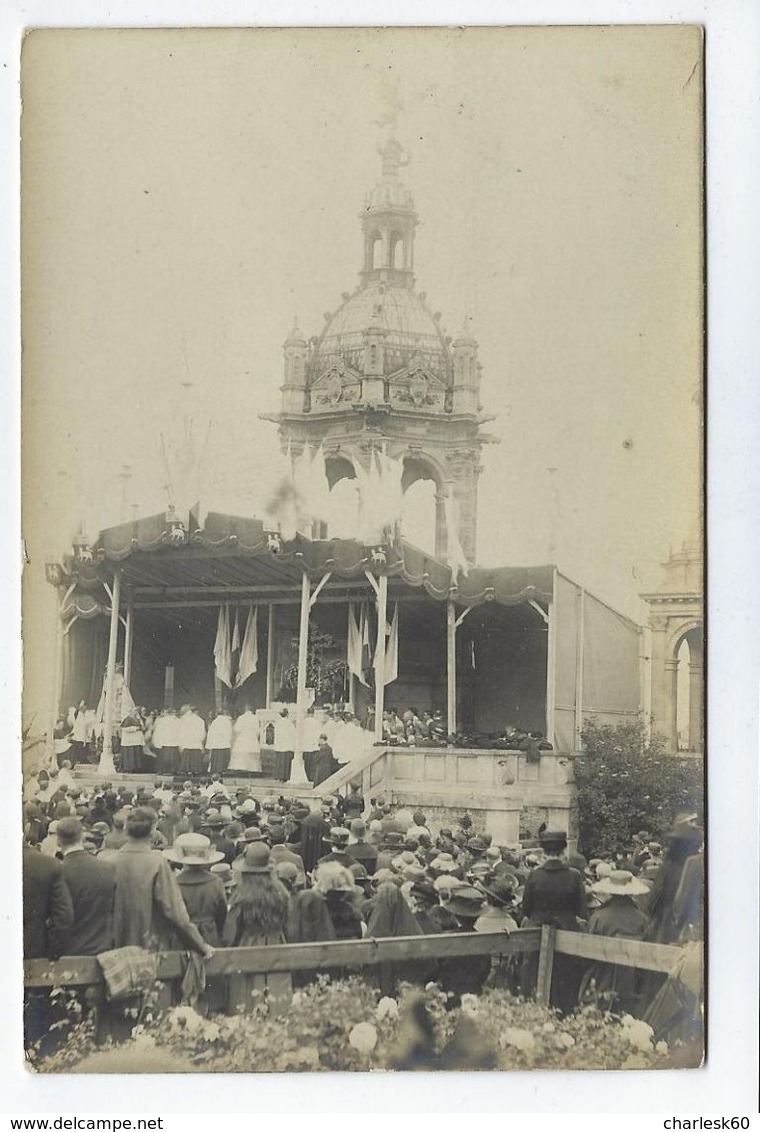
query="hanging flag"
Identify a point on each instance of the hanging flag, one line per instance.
(390, 637)
(249, 653)
(391, 650)
(354, 646)
(367, 660)
(222, 659)
(235, 651)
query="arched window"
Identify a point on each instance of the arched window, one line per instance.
(376, 250)
(418, 515)
(397, 251)
(689, 691)
(343, 520)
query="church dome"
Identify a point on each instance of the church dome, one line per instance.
(399, 315)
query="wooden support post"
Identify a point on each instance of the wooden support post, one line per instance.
(451, 667)
(298, 773)
(382, 609)
(545, 964)
(169, 688)
(106, 766)
(128, 634)
(270, 657)
(57, 674)
(580, 642)
(551, 662)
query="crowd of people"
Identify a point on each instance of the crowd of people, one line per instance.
(194, 865)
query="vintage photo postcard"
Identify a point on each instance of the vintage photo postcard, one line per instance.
(362, 396)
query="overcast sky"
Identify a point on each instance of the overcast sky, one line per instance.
(186, 193)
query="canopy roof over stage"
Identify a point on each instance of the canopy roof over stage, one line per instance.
(231, 555)
(534, 647)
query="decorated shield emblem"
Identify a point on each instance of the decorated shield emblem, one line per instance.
(418, 387)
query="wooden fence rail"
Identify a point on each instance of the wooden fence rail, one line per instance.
(81, 970)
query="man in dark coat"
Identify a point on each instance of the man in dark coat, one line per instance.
(48, 916)
(48, 911)
(148, 909)
(360, 849)
(554, 894)
(92, 884)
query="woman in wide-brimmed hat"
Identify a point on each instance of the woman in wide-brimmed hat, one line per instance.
(257, 918)
(444, 864)
(336, 884)
(610, 986)
(205, 898)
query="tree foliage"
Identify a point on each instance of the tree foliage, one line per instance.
(627, 783)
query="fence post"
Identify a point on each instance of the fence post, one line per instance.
(545, 964)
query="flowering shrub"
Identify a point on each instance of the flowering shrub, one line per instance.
(626, 783)
(346, 1025)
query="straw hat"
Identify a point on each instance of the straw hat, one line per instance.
(446, 884)
(620, 883)
(193, 849)
(443, 863)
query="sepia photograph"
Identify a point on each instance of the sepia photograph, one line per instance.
(363, 432)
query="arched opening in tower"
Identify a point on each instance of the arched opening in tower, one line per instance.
(343, 517)
(376, 250)
(397, 251)
(418, 515)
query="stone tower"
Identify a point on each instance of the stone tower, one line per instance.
(383, 375)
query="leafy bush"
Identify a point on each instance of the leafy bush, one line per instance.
(346, 1025)
(626, 784)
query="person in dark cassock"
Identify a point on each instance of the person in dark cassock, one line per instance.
(555, 894)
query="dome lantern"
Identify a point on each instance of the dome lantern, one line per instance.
(388, 222)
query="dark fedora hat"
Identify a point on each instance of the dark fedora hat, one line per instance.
(338, 837)
(500, 889)
(553, 838)
(466, 901)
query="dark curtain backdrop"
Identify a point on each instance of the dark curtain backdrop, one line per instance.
(85, 655)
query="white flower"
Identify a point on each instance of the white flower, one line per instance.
(548, 1027)
(634, 1061)
(363, 1037)
(661, 1048)
(470, 1003)
(567, 1040)
(520, 1039)
(386, 1008)
(638, 1033)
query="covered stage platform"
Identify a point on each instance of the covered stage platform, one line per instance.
(492, 649)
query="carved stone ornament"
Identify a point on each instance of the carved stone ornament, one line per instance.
(419, 391)
(418, 388)
(333, 387)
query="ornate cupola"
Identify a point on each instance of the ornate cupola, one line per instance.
(383, 375)
(388, 221)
